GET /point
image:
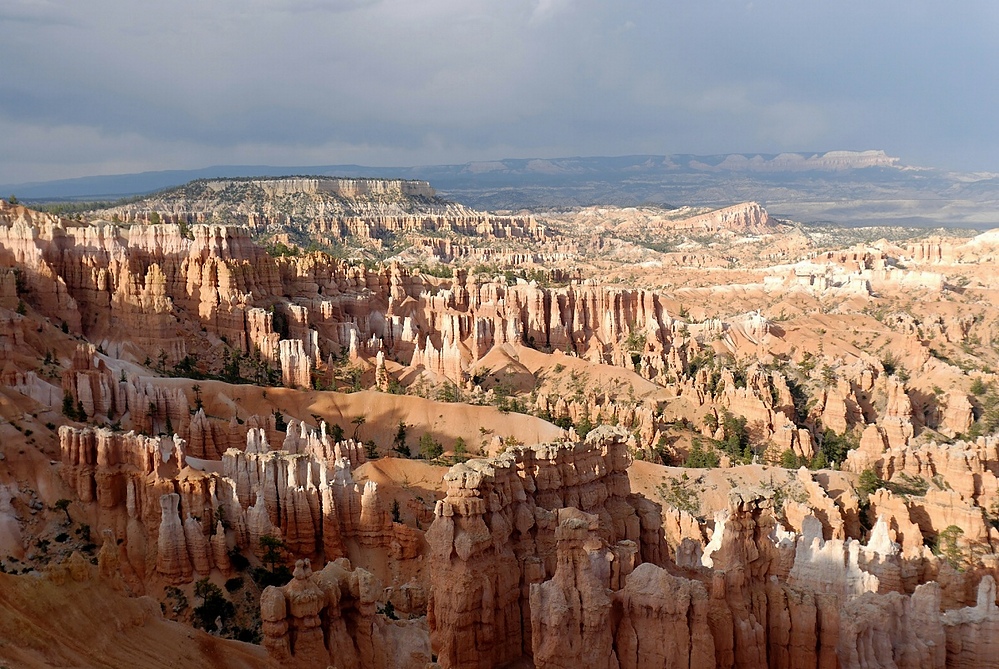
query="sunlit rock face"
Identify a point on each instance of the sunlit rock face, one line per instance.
(171, 383)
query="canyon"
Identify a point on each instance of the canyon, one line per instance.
(317, 422)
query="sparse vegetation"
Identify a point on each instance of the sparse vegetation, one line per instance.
(833, 447)
(701, 457)
(790, 460)
(946, 546)
(890, 363)
(399, 442)
(430, 448)
(215, 611)
(62, 504)
(273, 548)
(679, 493)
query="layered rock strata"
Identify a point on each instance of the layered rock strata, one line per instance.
(328, 618)
(165, 288)
(178, 516)
(507, 548)
(494, 535)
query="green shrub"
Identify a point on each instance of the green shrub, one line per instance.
(946, 546)
(789, 459)
(700, 457)
(679, 494)
(214, 606)
(238, 560)
(868, 482)
(834, 447)
(429, 447)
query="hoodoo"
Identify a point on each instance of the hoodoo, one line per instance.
(318, 421)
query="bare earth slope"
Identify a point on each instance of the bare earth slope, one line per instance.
(87, 624)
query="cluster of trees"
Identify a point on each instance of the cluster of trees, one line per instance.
(737, 443)
(903, 486)
(986, 410)
(428, 447)
(71, 410)
(217, 614)
(237, 367)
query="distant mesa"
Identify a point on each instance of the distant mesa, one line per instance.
(308, 210)
(797, 162)
(835, 161)
(285, 199)
(320, 185)
(448, 177)
(839, 187)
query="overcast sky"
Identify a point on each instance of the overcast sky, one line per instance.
(114, 86)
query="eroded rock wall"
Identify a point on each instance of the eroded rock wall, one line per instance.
(494, 535)
(176, 514)
(328, 618)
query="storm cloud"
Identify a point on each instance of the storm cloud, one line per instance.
(110, 86)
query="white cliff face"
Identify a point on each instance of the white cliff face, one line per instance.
(296, 365)
(841, 567)
(353, 188)
(880, 543)
(716, 539)
(793, 162)
(172, 558)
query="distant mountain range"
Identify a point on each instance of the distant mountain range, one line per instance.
(843, 187)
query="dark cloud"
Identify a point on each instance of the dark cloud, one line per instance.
(91, 87)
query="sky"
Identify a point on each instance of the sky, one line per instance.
(120, 86)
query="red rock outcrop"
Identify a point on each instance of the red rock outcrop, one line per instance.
(972, 633)
(165, 287)
(967, 468)
(748, 217)
(329, 617)
(893, 630)
(169, 509)
(958, 415)
(841, 604)
(172, 558)
(494, 535)
(571, 612)
(664, 621)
